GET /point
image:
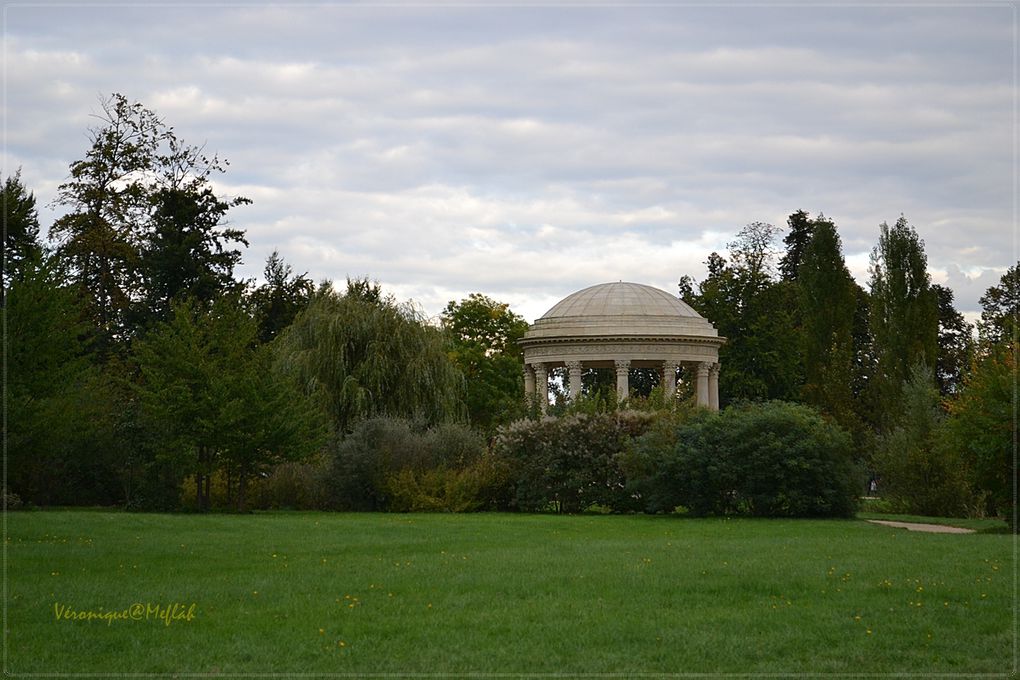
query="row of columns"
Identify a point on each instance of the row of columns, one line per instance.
(536, 381)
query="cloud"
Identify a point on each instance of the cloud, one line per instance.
(529, 152)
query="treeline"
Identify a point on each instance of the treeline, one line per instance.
(141, 371)
(927, 401)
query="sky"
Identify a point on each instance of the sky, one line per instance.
(528, 150)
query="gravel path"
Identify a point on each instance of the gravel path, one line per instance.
(930, 528)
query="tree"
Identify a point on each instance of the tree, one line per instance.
(266, 421)
(753, 312)
(904, 311)
(917, 474)
(56, 404)
(21, 229)
(827, 302)
(372, 358)
(483, 337)
(280, 298)
(144, 225)
(184, 252)
(801, 230)
(108, 194)
(215, 399)
(1001, 309)
(982, 427)
(955, 343)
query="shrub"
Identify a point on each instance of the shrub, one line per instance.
(920, 472)
(572, 462)
(293, 486)
(386, 454)
(478, 486)
(773, 459)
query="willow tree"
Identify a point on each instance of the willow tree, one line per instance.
(370, 356)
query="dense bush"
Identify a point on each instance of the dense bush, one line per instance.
(394, 464)
(773, 459)
(294, 485)
(572, 462)
(920, 471)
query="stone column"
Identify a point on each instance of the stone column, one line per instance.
(703, 367)
(622, 378)
(529, 384)
(713, 387)
(542, 385)
(668, 378)
(574, 369)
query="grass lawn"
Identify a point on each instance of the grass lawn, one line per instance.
(368, 593)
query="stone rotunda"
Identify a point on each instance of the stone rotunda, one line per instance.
(622, 326)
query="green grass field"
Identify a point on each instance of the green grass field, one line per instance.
(495, 593)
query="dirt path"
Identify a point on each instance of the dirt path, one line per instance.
(930, 528)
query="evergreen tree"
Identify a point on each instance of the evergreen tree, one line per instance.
(955, 343)
(801, 228)
(280, 298)
(21, 229)
(827, 303)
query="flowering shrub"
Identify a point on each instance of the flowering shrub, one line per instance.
(570, 463)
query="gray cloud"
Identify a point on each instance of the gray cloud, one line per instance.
(528, 152)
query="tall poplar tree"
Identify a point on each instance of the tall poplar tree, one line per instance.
(904, 311)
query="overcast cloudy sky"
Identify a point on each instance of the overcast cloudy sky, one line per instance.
(530, 150)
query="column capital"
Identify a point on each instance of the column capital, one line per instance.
(574, 364)
(704, 367)
(621, 364)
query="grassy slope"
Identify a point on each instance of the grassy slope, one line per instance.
(457, 593)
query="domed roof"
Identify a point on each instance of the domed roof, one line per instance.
(620, 310)
(621, 299)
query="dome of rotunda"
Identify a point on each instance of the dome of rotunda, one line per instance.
(620, 309)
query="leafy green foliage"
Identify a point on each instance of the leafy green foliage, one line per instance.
(185, 253)
(827, 303)
(981, 428)
(144, 226)
(955, 343)
(217, 400)
(280, 298)
(21, 228)
(394, 464)
(904, 311)
(484, 336)
(801, 232)
(1001, 309)
(755, 313)
(572, 462)
(371, 358)
(918, 474)
(773, 459)
(57, 405)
